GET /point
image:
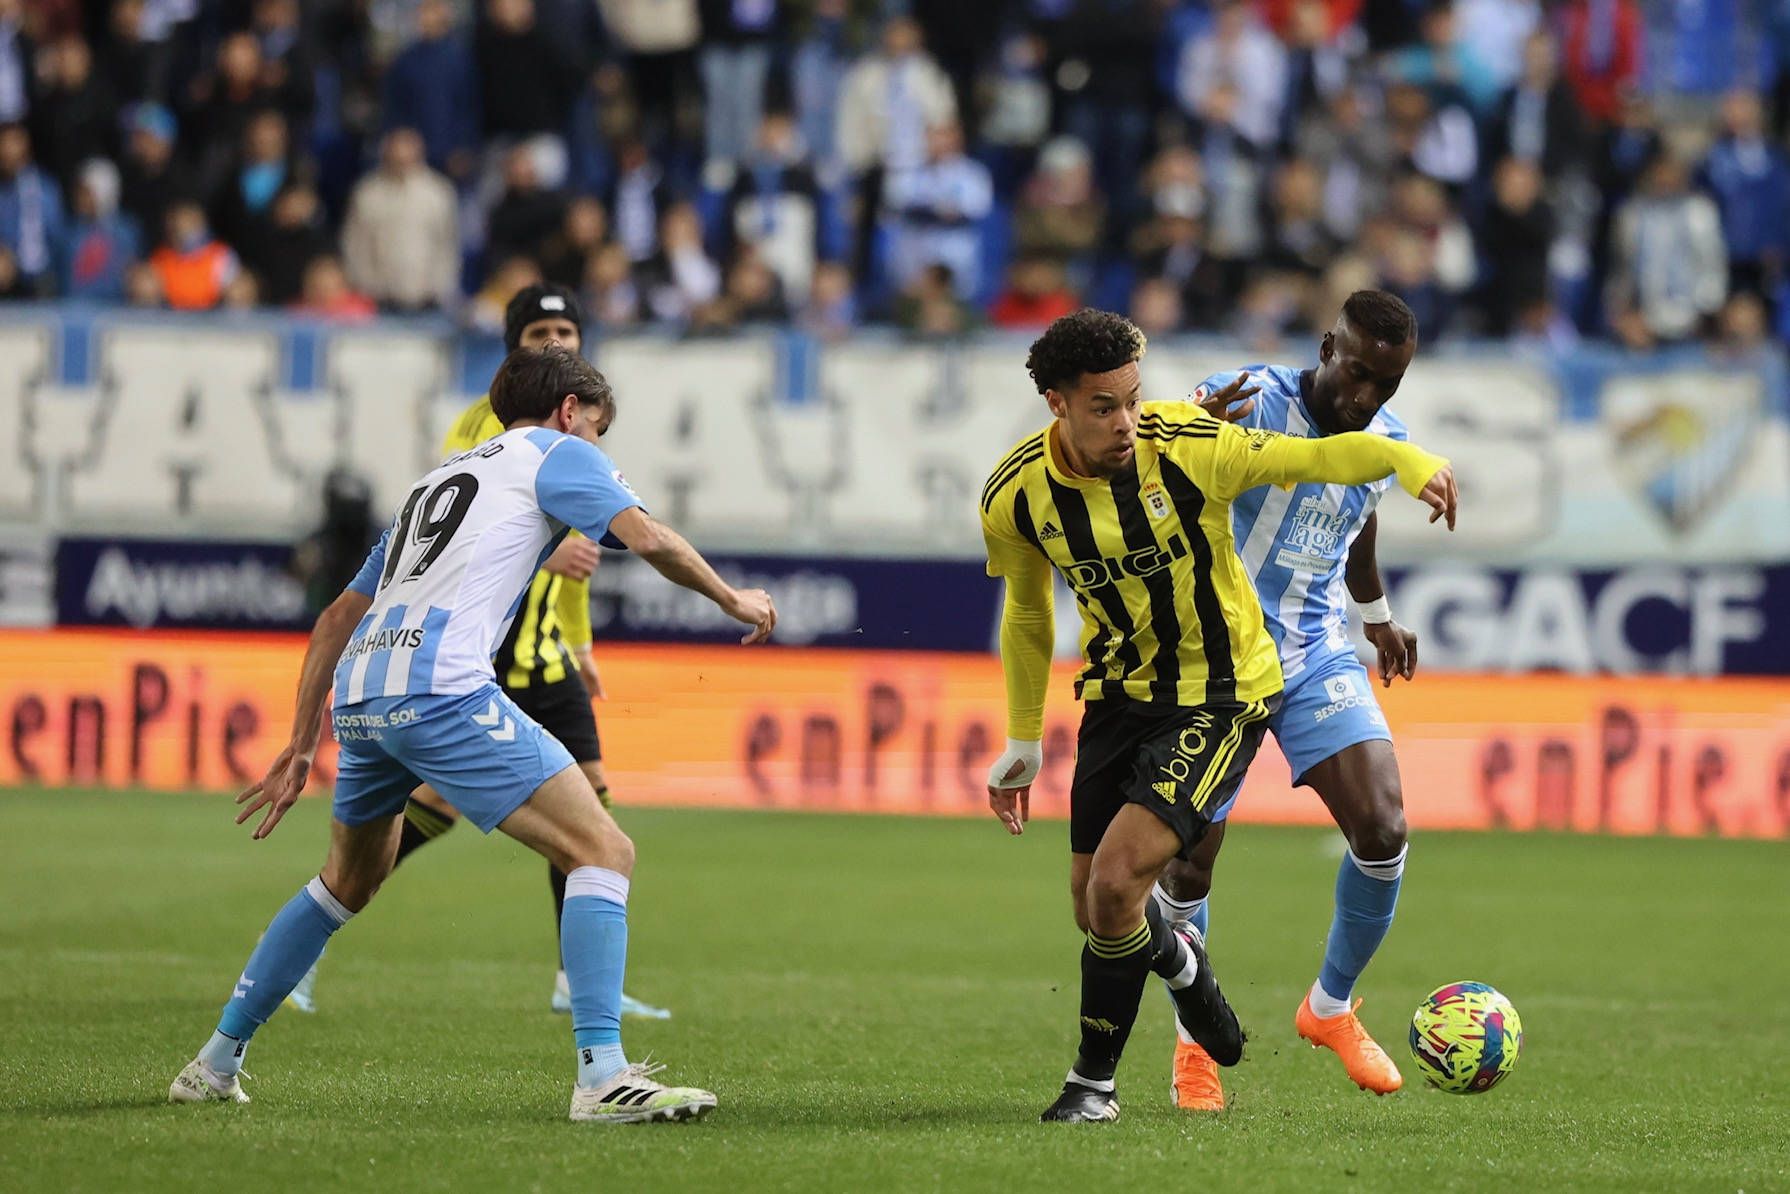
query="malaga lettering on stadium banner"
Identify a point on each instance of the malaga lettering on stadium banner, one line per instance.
(913, 732)
(196, 427)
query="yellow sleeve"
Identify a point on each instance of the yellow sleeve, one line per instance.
(475, 425)
(1238, 459)
(574, 613)
(1028, 623)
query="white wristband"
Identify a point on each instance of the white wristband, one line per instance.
(1376, 611)
(1029, 754)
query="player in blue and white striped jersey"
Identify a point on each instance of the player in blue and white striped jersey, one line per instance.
(406, 650)
(1308, 549)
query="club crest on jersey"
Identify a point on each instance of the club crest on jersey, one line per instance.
(1155, 501)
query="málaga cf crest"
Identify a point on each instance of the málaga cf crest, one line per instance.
(1679, 438)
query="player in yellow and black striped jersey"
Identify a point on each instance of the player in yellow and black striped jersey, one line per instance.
(1130, 502)
(544, 662)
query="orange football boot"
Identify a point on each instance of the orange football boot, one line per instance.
(1196, 1079)
(1367, 1063)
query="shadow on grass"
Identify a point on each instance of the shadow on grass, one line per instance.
(83, 1108)
(884, 1117)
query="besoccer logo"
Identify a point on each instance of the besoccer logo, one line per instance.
(1345, 693)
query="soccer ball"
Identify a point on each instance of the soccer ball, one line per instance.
(1465, 1038)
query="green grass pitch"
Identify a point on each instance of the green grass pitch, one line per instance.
(881, 1004)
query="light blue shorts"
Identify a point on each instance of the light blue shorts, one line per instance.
(1328, 708)
(483, 754)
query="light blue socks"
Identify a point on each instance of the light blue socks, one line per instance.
(292, 944)
(1366, 894)
(593, 934)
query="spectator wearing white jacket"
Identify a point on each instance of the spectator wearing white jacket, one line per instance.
(889, 100)
(401, 238)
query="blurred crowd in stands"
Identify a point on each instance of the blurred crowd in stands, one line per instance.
(1512, 168)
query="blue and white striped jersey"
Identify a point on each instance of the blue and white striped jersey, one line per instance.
(1294, 542)
(451, 572)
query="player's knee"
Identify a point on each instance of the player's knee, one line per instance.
(1113, 906)
(353, 887)
(620, 848)
(1381, 834)
(607, 847)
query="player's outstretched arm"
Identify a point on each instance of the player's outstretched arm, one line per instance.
(1247, 459)
(1395, 645)
(280, 787)
(671, 554)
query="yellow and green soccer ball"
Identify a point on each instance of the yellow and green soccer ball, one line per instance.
(1465, 1038)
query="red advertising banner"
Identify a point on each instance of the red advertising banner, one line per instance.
(908, 732)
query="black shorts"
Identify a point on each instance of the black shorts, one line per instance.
(1182, 763)
(563, 709)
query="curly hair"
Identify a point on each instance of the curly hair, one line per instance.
(1088, 341)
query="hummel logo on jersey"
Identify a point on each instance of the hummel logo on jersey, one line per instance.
(1050, 531)
(1165, 789)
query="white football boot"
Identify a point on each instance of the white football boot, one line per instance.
(632, 1097)
(198, 1084)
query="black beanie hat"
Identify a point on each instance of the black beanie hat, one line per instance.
(543, 300)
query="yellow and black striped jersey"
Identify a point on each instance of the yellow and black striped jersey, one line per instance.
(554, 619)
(1169, 615)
